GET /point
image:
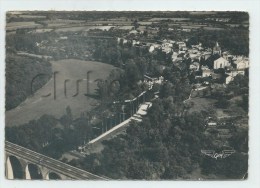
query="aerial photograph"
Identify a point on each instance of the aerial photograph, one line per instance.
(126, 95)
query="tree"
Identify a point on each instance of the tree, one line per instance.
(222, 103)
(132, 73)
(167, 90)
(66, 119)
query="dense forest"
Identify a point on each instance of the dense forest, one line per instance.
(20, 74)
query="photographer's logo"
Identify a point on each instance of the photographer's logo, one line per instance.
(215, 155)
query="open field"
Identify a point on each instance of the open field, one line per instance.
(64, 21)
(173, 19)
(200, 104)
(71, 70)
(126, 27)
(20, 25)
(82, 28)
(32, 16)
(204, 104)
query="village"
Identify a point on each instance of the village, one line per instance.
(222, 69)
(161, 86)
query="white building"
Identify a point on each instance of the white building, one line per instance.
(233, 74)
(241, 63)
(181, 45)
(229, 79)
(153, 47)
(195, 66)
(221, 63)
(206, 73)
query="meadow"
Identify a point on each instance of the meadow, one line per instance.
(43, 102)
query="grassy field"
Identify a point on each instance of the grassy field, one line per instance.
(199, 104)
(36, 106)
(205, 104)
(81, 28)
(21, 25)
(173, 19)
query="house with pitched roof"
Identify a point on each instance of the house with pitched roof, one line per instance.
(221, 63)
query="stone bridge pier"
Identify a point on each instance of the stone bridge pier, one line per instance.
(19, 168)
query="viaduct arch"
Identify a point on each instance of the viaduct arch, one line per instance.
(22, 163)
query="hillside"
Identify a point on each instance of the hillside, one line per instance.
(71, 70)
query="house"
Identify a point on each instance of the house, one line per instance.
(153, 47)
(229, 79)
(133, 32)
(241, 63)
(232, 74)
(167, 50)
(64, 38)
(181, 52)
(206, 73)
(159, 80)
(166, 46)
(186, 30)
(195, 66)
(212, 123)
(221, 63)
(194, 56)
(118, 40)
(181, 45)
(175, 56)
(216, 76)
(171, 41)
(135, 42)
(204, 67)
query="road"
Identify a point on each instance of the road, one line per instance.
(137, 117)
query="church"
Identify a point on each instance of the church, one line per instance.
(221, 63)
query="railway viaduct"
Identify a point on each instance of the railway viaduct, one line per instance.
(22, 163)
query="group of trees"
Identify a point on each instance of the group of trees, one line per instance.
(161, 147)
(51, 136)
(234, 40)
(165, 146)
(238, 88)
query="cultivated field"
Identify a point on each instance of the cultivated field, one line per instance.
(173, 19)
(81, 28)
(71, 70)
(21, 25)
